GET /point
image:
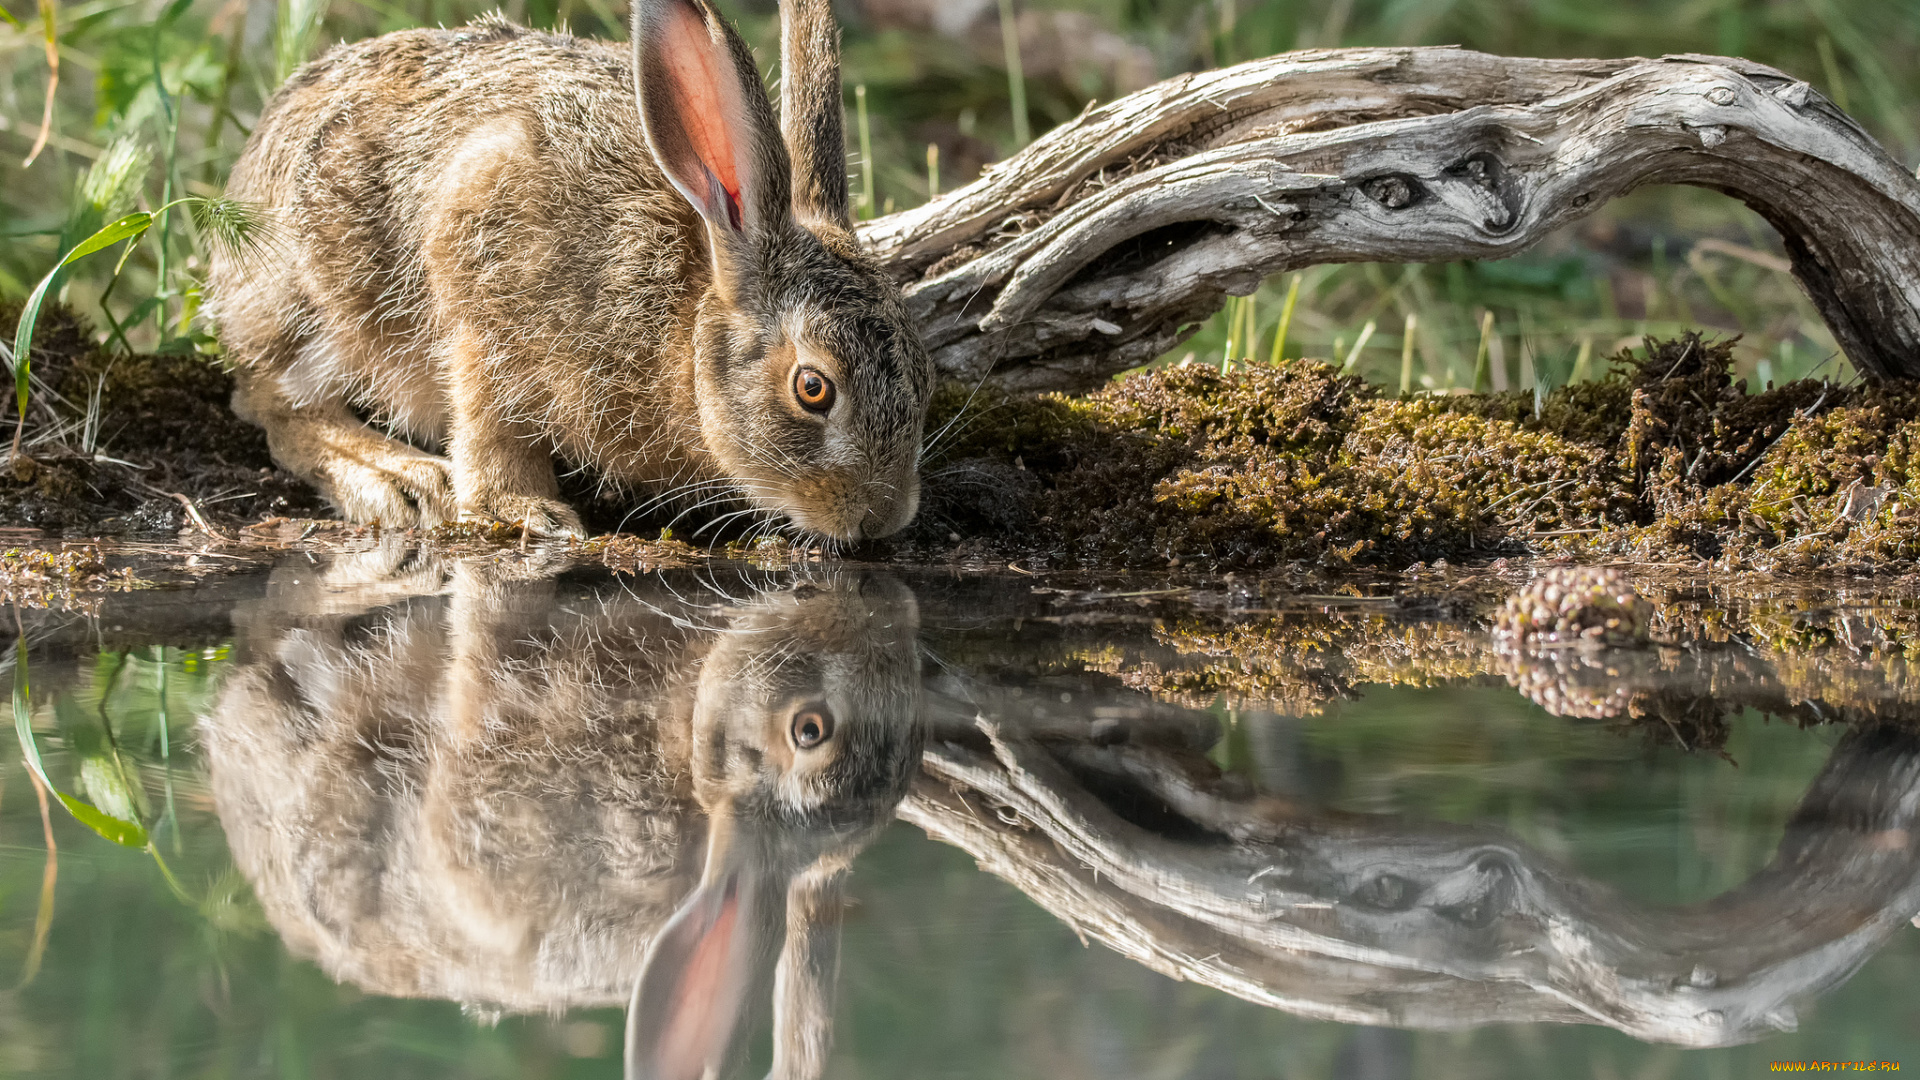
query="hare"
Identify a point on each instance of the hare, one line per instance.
(515, 247)
(445, 782)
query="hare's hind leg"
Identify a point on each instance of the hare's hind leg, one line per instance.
(367, 475)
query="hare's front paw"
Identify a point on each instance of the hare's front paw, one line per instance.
(539, 516)
(400, 489)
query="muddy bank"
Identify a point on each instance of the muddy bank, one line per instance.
(1665, 462)
(113, 439)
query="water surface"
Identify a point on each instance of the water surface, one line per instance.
(411, 816)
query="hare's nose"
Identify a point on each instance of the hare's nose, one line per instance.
(890, 510)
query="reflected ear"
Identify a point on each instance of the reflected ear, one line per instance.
(706, 116)
(806, 977)
(688, 1002)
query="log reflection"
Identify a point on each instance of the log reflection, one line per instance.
(1129, 834)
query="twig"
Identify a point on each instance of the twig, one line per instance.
(200, 522)
(1800, 415)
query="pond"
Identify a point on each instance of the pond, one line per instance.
(417, 815)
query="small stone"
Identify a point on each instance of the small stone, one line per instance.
(1591, 607)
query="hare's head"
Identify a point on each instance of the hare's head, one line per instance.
(806, 734)
(806, 714)
(811, 381)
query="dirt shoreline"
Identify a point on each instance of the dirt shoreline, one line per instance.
(1667, 463)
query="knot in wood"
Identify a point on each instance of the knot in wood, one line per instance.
(1395, 191)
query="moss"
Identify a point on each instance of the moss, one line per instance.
(1667, 460)
(70, 578)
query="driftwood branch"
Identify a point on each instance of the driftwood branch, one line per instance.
(1104, 243)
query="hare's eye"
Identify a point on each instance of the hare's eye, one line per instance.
(812, 726)
(813, 390)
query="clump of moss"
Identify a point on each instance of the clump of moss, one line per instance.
(1264, 465)
(1667, 459)
(69, 578)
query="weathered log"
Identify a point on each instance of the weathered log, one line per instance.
(1105, 242)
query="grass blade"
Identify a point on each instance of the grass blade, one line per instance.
(1482, 368)
(294, 34)
(1406, 355)
(1366, 335)
(48, 18)
(122, 832)
(1286, 320)
(1016, 77)
(126, 228)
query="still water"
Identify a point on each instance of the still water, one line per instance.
(408, 816)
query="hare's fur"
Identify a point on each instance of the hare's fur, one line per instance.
(469, 788)
(478, 249)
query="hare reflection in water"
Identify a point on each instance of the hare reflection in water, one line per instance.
(446, 783)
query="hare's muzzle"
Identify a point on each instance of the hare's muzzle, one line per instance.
(847, 509)
(888, 511)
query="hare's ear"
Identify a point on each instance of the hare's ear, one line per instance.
(690, 1000)
(707, 118)
(811, 115)
(807, 977)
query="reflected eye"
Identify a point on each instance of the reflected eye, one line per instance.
(812, 726)
(812, 390)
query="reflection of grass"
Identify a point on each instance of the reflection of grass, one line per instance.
(132, 983)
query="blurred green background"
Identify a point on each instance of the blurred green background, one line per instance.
(155, 98)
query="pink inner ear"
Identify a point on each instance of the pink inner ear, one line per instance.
(701, 1013)
(693, 61)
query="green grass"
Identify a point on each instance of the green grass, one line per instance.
(153, 103)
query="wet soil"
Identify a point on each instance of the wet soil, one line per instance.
(1666, 462)
(163, 428)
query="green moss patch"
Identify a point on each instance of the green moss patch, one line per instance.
(1666, 460)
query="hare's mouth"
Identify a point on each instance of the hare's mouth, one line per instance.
(833, 514)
